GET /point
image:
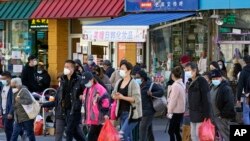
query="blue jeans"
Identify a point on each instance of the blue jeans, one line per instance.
(28, 126)
(246, 112)
(127, 127)
(8, 126)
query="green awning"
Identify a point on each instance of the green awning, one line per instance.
(17, 10)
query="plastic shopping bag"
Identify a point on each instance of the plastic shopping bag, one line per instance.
(207, 131)
(112, 111)
(38, 125)
(1, 122)
(108, 132)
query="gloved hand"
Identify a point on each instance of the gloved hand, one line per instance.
(169, 116)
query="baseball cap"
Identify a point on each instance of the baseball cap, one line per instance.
(215, 73)
(86, 77)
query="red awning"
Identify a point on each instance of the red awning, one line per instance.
(57, 9)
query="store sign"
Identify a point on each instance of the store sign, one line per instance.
(230, 19)
(39, 23)
(161, 5)
(223, 4)
(115, 33)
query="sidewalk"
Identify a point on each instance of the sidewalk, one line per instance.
(159, 126)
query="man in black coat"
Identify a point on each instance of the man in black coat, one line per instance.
(68, 105)
(222, 103)
(107, 66)
(28, 75)
(43, 77)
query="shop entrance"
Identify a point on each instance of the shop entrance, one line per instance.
(42, 46)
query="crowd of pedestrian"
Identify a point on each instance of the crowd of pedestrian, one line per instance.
(86, 92)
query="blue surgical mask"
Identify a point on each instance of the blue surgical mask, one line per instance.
(188, 74)
(216, 82)
(89, 84)
(4, 82)
(138, 80)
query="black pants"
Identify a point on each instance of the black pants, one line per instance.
(94, 132)
(174, 127)
(73, 128)
(8, 127)
(146, 129)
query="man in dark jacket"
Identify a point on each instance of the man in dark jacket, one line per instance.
(198, 99)
(91, 64)
(43, 77)
(222, 102)
(244, 86)
(107, 66)
(146, 132)
(68, 105)
(28, 74)
(6, 110)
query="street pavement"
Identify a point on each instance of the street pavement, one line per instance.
(159, 126)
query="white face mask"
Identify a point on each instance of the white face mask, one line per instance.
(220, 66)
(39, 72)
(89, 84)
(122, 73)
(14, 90)
(4, 82)
(90, 62)
(66, 71)
(34, 62)
(188, 74)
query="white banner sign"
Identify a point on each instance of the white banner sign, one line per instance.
(115, 33)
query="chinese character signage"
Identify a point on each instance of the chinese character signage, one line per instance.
(224, 4)
(130, 34)
(161, 5)
(39, 23)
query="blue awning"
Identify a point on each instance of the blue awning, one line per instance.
(143, 19)
(129, 28)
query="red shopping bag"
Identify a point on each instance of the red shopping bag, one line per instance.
(207, 131)
(38, 126)
(108, 132)
(112, 111)
(1, 122)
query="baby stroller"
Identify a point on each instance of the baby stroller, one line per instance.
(48, 113)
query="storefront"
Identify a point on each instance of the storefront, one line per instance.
(155, 39)
(17, 41)
(231, 20)
(65, 20)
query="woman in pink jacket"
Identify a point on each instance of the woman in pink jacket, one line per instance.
(176, 104)
(95, 105)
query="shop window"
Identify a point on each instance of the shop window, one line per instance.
(75, 26)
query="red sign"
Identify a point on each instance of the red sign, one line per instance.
(146, 5)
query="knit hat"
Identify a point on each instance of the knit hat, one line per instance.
(185, 59)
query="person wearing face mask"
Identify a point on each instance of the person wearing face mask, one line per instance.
(129, 106)
(6, 109)
(116, 75)
(28, 75)
(21, 96)
(176, 104)
(68, 105)
(96, 104)
(198, 99)
(90, 65)
(222, 67)
(222, 103)
(43, 77)
(145, 128)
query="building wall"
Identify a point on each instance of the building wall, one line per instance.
(58, 47)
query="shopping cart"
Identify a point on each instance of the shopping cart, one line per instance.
(50, 112)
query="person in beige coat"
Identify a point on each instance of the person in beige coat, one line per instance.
(176, 105)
